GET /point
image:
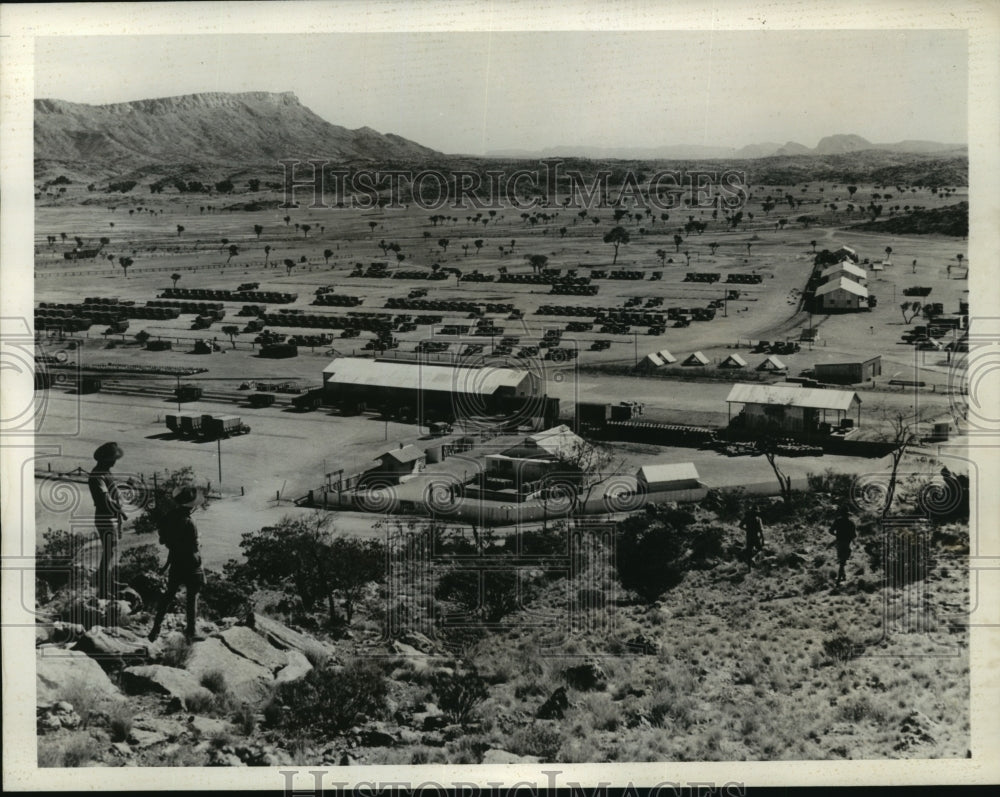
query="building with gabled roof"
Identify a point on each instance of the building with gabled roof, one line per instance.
(791, 409)
(845, 268)
(842, 294)
(399, 464)
(658, 477)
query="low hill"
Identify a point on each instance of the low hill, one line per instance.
(950, 220)
(212, 128)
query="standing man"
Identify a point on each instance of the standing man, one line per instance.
(845, 531)
(180, 535)
(108, 517)
(754, 528)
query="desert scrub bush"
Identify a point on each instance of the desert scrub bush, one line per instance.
(223, 597)
(652, 550)
(728, 504)
(83, 697)
(837, 485)
(598, 711)
(460, 694)
(200, 703)
(78, 750)
(214, 681)
(53, 559)
(120, 722)
(839, 649)
(244, 719)
(864, 709)
(540, 738)
(138, 561)
(331, 699)
(176, 651)
(708, 542)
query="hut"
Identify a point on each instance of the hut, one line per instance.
(667, 476)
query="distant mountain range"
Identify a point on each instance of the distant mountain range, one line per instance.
(831, 145)
(213, 128)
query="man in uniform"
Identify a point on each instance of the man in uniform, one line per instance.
(180, 535)
(754, 528)
(845, 531)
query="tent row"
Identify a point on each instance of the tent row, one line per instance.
(697, 359)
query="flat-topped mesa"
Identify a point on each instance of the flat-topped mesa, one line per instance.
(183, 102)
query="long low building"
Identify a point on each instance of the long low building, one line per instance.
(416, 389)
(849, 373)
(792, 408)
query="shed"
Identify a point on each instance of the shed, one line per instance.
(697, 358)
(733, 361)
(401, 462)
(842, 294)
(772, 363)
(849, 373)
(791, 408)
(667, 476)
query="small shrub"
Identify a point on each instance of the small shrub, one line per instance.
(176, 652)
(223, 597)
(80, 750)
(244, 719)
(330, 699)
(842, 648)
(708, 543)
(200, 703)
(83, 697)
(214, 681)
(539, 739)
(135, 563)
(728, 504)
(120, 723)
(460, 694)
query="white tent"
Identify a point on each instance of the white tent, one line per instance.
(666, 356)
(733, 361)
(696, 359)
(772, 363)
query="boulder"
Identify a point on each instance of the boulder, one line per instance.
(297, 668)
(248, 643)
(206, 727)
(555, 706)
(246, 680)
(170, 681)
(284, 638)
(143, 738)
(496, 756)
(59, 669)
(420, 641)
(586, 677)
(113, 647)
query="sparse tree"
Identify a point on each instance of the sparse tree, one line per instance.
(267, 254)
(232, 330)
(125, 263)
(537, 262)
(327, 254)
(813, 245)
(372, 225)
(258, 229)
(662, 255)
(616, 236)
(443, 243)
(712, 247)
(175, 276)
(678, 240)
(305, 230)
(478, 243)
(287, 220)
(289, 265)
(180, 229)
(233, 251)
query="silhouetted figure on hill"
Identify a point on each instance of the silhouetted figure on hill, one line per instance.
(845, 531)
(180, 535)
(108, 517)
(754, 528)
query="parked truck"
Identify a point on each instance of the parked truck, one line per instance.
(310, 400)
(215, 426)
(175, 421)
(190, 424)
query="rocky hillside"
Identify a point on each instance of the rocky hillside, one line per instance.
(951, 220)
(214, 128)
(777, 662)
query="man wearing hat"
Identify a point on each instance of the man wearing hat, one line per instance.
(179, 534)
(845, 531)
(107, 515)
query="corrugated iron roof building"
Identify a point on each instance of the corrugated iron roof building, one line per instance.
(791, 408)
(377, 383)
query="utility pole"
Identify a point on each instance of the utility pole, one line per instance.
(218, 442)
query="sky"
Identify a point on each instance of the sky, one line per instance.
(477, 92)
